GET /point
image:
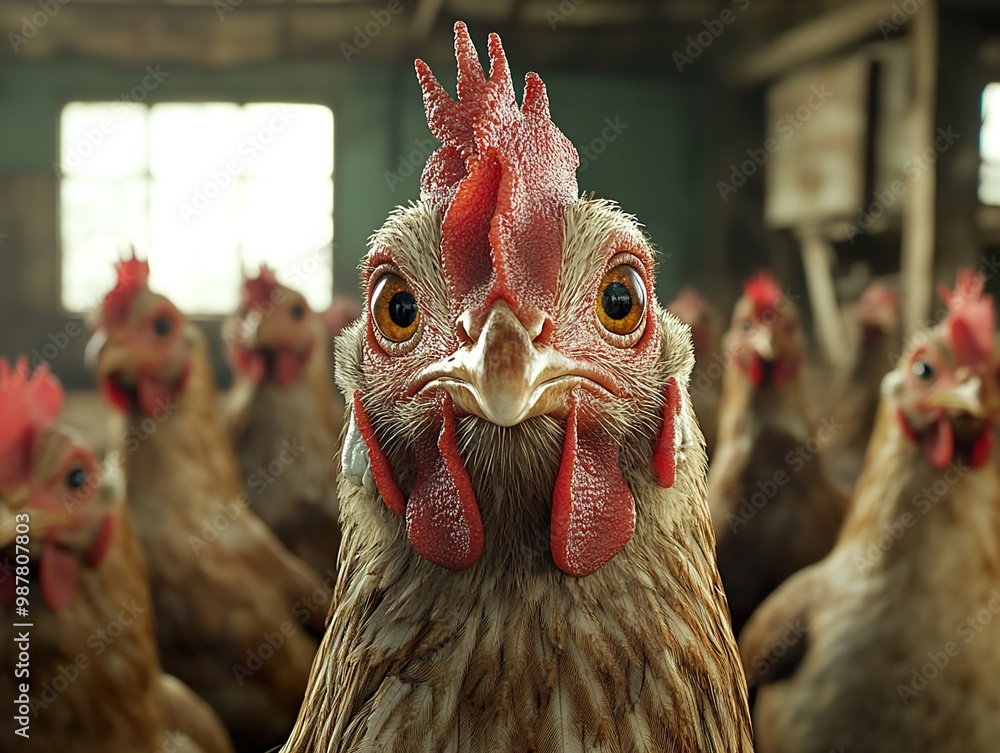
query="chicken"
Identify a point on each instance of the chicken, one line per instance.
(896, 644)
(527, 558)
(706, 383)
(237, 615)
(773, 507)
(283, 390)
(79, 669)
(854, 401)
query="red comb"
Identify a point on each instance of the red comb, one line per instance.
(28, 404)
(764, 292)
(503, 177)
(133, 276)
(971, 318)
(259, 289)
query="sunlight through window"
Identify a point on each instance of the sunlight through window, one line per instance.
(205, 190)
(989, 147)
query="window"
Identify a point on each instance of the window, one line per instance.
(205, 190)
(989, 147)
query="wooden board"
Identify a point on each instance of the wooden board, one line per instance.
(818, 134)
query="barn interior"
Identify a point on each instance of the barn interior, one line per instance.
(831, 142)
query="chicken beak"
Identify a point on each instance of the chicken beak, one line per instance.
(504, 375)
(762, 341)
(109, 354)
(8, 523)
(965, 398)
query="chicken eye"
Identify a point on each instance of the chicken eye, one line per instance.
(922, 370)
(298, 311)
(621, 300)
(162, 325)
(76, 479)
(394, 308)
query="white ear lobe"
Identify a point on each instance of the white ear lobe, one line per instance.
(892, 385)
(354, 457)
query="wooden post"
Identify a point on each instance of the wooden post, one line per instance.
(917, 253)
(817, 256)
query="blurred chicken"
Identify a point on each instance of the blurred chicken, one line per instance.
(706, 331)
(226, 591)
(773, 507)
(855, 399)
(281, 354)
(527, 561)
(79, 670)
(892, 642)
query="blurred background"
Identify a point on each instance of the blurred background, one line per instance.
(829, 141)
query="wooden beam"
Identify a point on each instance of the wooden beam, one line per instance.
(917, 253)
(817, 259)
(810, 41)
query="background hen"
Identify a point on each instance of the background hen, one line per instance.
(226, 591)
(773, 507)
(854, 399)
(891, 643)
(89, 677)
(706, 332)
(527, 561)
(281, 352)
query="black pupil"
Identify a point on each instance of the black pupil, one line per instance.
(297, 311)
(922, 370)
(161, 326)
(403, 308)
(76, 478)
(617, 300)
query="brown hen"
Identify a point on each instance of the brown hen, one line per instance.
(527, 558)
(79, 671)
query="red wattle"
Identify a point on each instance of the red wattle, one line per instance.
(381, 470)
(593, 512)
(442, 516)
(755, 370)
(99, 549)
(153, 395)
(58, 575)
(939, 443)
(115, 394)
(664, 455)
(982, 448)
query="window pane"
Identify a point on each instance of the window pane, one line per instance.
(288, 223)
(989, 146)
(191, 140)
(194, 256)
(204, 190)
(100, 221)
(291, 140)
(103, 140)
